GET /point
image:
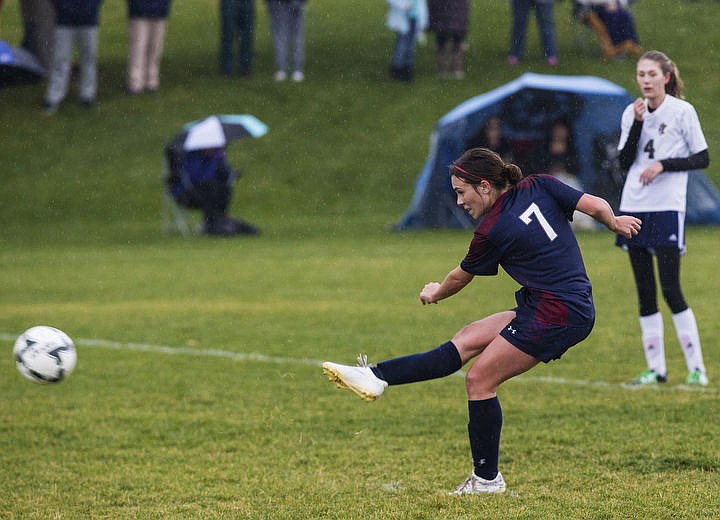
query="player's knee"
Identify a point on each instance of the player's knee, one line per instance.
(477, 384)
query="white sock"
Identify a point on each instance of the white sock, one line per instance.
(653, 342)
(687, 334)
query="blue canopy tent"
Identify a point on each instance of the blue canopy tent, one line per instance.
(527, 106)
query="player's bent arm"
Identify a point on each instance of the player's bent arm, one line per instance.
(453, 283)
(599, 209)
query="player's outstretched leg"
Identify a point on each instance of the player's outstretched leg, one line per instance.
(370, 382)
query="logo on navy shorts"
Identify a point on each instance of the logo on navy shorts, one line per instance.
(511, 330)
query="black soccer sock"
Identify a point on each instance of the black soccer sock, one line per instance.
(438, 362)
(484, 425)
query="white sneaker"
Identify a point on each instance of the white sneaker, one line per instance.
(298, 76)
(280, 75)
(359, 379)
(475, 485)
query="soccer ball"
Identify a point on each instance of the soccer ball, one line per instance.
(44, 355)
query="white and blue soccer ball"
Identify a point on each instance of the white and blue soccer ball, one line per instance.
(45, 355)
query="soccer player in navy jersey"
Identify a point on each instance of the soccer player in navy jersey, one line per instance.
(661, 140)
(526, 231)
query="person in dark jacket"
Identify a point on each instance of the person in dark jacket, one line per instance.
(448, 19)
(76, 21)
(146, 34)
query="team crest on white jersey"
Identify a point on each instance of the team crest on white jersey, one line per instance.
(662, 128)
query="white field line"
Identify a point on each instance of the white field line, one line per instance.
(283, 360)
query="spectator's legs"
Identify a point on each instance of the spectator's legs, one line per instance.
(246, 29)
(546, 24)
(520, 12)
(296, 30)
(403, 58)
(60, 66)
(156, 38)
(458, 55)
(138, 29)
(444, 53)
(228, 16)
(87, 47)
(279, 27)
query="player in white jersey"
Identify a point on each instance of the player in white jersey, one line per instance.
(661, 140)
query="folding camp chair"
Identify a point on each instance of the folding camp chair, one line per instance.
(591, 27)
(181, 198)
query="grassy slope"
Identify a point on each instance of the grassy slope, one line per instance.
(347, 144)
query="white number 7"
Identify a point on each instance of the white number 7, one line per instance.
(533, 209)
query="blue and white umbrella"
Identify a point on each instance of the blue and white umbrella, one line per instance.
(217, 131)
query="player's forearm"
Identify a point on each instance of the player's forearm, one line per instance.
(453, 283)
(599, 209)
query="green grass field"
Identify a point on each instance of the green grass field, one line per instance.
(198, 391)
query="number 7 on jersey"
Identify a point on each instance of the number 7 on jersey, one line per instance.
(534, 210)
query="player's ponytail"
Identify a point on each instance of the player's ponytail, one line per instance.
(481, 164)
(675, 87)
(513, 173)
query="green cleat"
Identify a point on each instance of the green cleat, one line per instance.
(696, 377)
(649, 377)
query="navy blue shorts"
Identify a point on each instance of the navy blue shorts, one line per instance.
(544, 341)
(548, 335)
(659, 229)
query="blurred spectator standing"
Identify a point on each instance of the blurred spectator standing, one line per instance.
(287, 25)
(237, 27)
(545, 15)
(408, 19)
(146, 33)
(448, 20)
(76, 21)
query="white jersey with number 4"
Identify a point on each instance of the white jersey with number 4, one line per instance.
(670, 131)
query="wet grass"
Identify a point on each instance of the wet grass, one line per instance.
(239, 422)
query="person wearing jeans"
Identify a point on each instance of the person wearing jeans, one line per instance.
(287, 24)
(545, 15)
(408, 19)
(75, 22)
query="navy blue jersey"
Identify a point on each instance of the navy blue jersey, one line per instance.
(528, 233)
